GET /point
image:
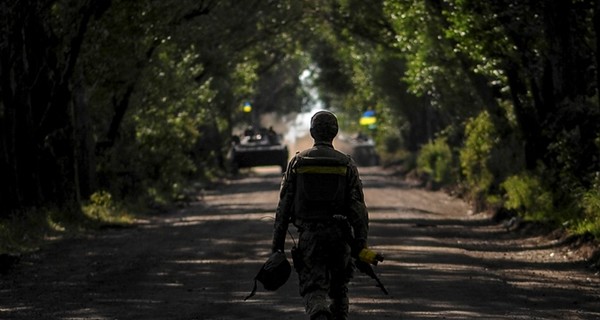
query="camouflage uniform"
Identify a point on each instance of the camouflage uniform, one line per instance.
(325, 267)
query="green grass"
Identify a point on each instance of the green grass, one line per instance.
(31, 229)
(590, 224)
(102, 210)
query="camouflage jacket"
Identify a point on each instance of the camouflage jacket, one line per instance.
(355, 210)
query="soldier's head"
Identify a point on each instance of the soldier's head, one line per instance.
(323, 126)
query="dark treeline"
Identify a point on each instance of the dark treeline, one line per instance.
(139, 98)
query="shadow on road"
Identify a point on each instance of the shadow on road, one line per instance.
(198, 263)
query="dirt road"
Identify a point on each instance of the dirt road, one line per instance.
(198, 263)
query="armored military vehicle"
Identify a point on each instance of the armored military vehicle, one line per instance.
(255, 149)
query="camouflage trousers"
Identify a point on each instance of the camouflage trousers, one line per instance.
(324, 270)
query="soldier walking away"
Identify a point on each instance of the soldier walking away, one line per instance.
(321, 194)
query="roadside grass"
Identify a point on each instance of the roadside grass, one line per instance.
(28, 231)
(590, 203)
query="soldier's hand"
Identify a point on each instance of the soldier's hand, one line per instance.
(370, 256)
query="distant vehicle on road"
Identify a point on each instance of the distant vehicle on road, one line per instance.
(365, 155)
(255, 149)
(361, 148)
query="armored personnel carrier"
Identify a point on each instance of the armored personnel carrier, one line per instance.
(255, 149)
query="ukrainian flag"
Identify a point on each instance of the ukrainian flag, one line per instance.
(368, 118)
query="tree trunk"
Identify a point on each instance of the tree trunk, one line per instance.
(85, 164)
(38, 149)
(597, 31)
(526, 116)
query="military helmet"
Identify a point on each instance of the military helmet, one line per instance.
(274, 273)
(323, 126)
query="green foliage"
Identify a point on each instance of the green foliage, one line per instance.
(29, 230)
(413, 119)
(391, 146)
(392, 143)
(480, 139)
(526, 194)
(435, 160)
(145, 103)
(180, 71)
(434, 67)
(479, 32)
(413, 39)
(491, 152)
(25, 232)
(103, 210)
(590, 204)
(166, 131)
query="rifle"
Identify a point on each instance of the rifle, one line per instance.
(366, 269)
(363, 257)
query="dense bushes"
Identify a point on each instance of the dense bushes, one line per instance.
(526, 194)
(590, 205)
(475, 157)
(435, 163)
(492, 175)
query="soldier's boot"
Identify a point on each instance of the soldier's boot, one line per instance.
(316, 305)
(339, 312)
(339, 308)
(321, 316)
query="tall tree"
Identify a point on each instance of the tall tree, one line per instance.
(41, 44)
